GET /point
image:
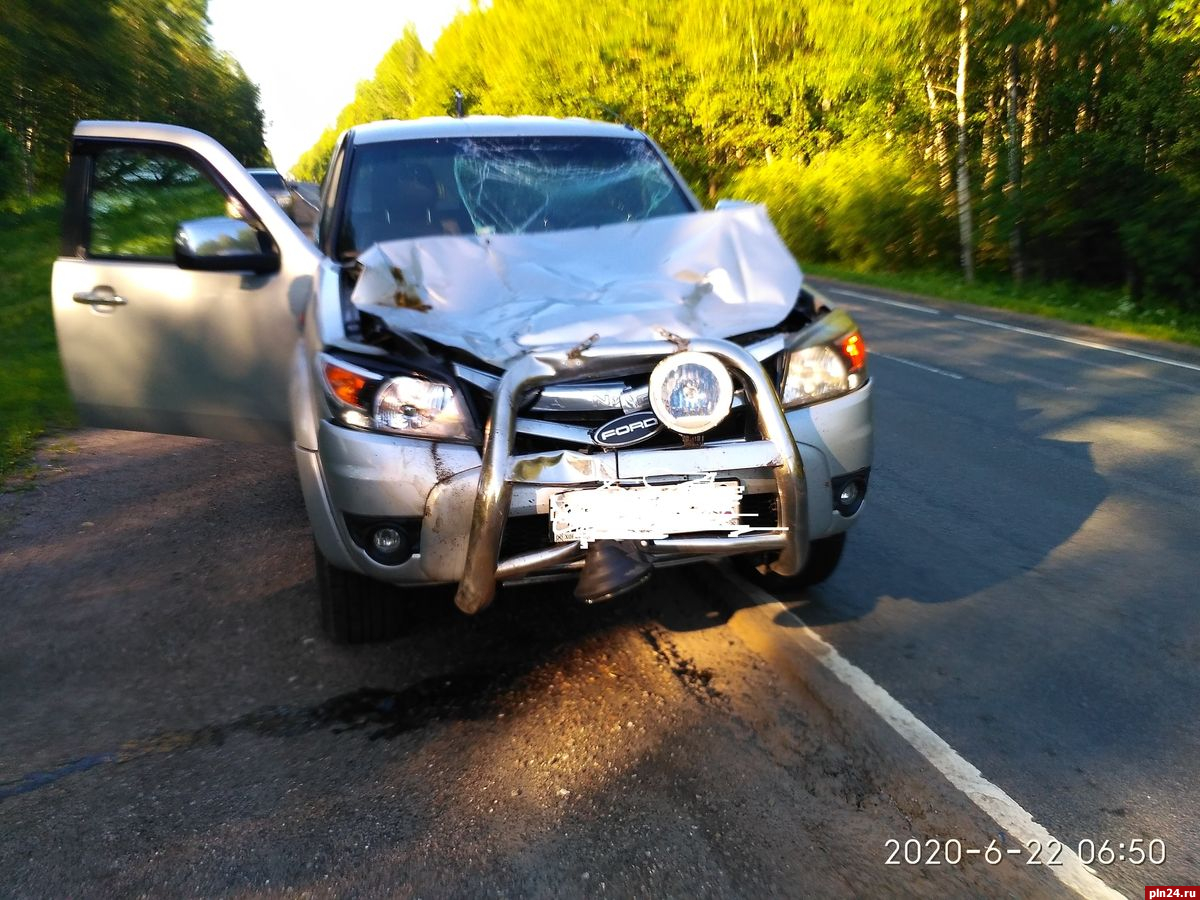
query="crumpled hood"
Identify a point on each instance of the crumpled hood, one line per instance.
(706, 274)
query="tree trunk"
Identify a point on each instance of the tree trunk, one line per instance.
(966, 227)
(989, 154)
(940, 151)
(1016, 238)
(23, 119)
(28, 146)
(1134, 282)
(1031, 97)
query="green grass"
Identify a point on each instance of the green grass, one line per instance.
(140, 220)
(33, 395)
(1109, 309)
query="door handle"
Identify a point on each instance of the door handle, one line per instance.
(101, 295)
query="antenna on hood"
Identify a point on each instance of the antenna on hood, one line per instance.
(610, 112)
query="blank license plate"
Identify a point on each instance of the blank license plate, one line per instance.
(645, 512)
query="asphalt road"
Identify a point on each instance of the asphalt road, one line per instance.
(1027, 580)
(310, 191)
(172, 722)
(306, 201)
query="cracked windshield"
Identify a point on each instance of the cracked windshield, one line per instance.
(487, 186)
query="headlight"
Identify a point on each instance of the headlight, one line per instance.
(406, 404)
(690, 392)
(829, 360)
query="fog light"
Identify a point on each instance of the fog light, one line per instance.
(388, 544)
(387, 540)
(849, 491)
(390, 541)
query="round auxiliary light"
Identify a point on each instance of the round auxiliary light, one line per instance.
(690, 392)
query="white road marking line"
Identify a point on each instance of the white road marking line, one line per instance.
(1033, 379)
(1079, 342)
(1006, 812)
(917, 365)
(1042, 382)
(1066, 355)
(921, 309)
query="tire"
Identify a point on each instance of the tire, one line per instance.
(356, 609)
(823, 558)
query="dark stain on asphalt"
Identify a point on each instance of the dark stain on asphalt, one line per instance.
(697, 681)
(464, 695)
(467, 693)
(34, 780)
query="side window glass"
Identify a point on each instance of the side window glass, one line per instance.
(140, 195)
(328, 192)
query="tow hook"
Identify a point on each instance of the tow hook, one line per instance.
(612, 568)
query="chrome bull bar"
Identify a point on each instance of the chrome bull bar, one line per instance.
(483, 567)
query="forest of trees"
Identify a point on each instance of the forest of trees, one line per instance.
(154, 60)
(1037, 139)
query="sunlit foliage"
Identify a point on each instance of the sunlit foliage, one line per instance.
(1079, 138)
(61, 61)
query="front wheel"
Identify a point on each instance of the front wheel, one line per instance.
(356, 609)
(824, 555)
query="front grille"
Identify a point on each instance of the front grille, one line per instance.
(740, 424)
(523, 534)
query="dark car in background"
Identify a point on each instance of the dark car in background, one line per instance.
(273, 183)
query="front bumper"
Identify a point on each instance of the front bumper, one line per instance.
(461, 502)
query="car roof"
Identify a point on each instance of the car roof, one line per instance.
(487, 126)
(261, 171)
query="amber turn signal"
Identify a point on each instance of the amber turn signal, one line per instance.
(855, 349)
(346, 385)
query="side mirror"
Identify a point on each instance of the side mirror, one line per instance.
(735, 204)
(218, 244)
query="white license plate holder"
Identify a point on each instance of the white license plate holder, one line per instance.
(645, 512)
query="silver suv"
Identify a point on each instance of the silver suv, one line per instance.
(518, 350)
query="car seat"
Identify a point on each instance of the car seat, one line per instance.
(393, 202)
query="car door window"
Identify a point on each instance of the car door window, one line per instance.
(138, 197)
(328, 192)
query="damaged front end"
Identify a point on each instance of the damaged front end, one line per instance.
(641, 476)
(594, 402)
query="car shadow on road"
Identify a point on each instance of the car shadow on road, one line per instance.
(965, 496)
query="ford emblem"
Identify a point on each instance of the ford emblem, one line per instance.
(627, 430)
